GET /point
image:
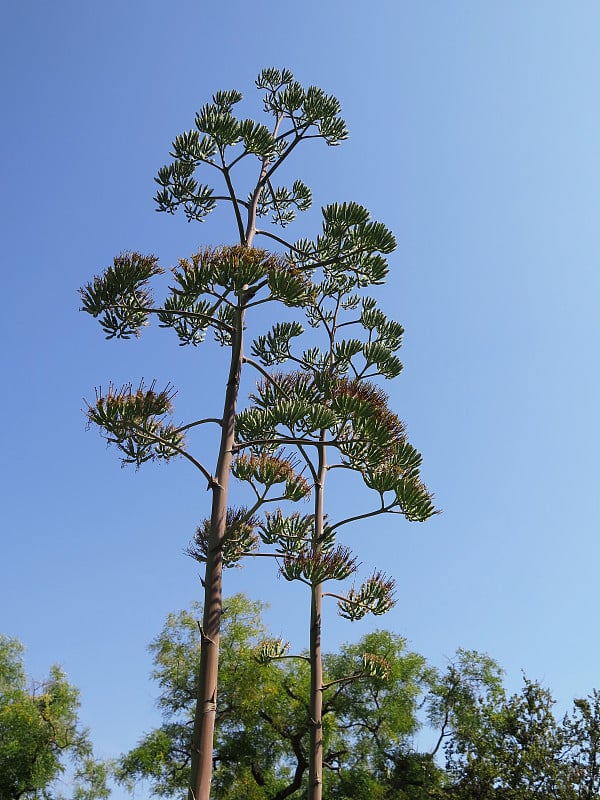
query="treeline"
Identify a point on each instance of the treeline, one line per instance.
(484, 743)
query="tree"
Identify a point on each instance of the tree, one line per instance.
(215, 289)
(262, 731)
(511, 748)
(375, 719)
(40, 734)
(582, 732)
(461, 697)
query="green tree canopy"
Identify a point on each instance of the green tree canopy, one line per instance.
(263, 725)
(40, 735)
(486, 745)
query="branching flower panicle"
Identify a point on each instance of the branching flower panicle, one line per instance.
(269, 470)
(314, 568)
(375, 596)
(240, 538)
(133, 420)
(270, 650)
(121, 296)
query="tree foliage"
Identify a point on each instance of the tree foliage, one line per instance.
(40, 735)
(515, 748)
(263, 725)
(486, 745)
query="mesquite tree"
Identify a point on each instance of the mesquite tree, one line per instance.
(329, 409)
(214, 290)
(262, 728)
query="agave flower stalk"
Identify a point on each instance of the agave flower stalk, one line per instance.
(330, 409)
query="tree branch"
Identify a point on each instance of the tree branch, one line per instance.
(175, 312)
(236, 200)
(347, 600)
(265, 374)
(283, 440)
(279, 161)
(293, 655)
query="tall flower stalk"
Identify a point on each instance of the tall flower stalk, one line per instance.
(328, 407)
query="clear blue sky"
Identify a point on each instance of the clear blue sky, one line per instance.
(475, 136)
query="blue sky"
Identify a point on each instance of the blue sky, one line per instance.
(474, 135)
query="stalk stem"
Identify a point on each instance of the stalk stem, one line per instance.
(206, 698)
(315, 755)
